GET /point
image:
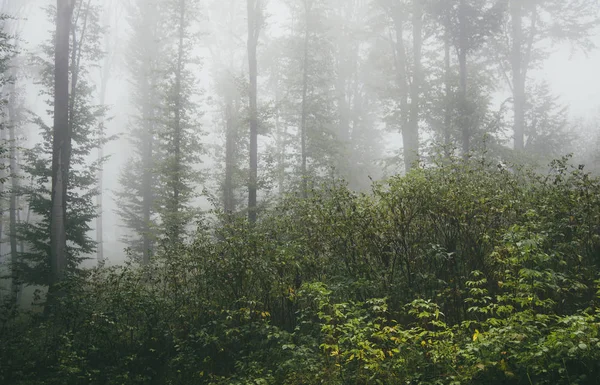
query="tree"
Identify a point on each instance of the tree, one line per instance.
(254, 27)
(136, 204)
(533, 27)
(61, 139)
(409, 88)
(229, 74)
(179, 130)
(38, 262)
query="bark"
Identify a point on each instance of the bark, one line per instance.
(12, 118)
(518, 78)
(61, 146)
(253, 33)
(100, 175)
(176, 230)
(304, 112)
(229, 157)
(2, 188)
(411, 133)
(402, 83)
(148, 164)
(448, 93)
(463, 47)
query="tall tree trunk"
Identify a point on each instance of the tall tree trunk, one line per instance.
(229, 157)
(12, 118)
(3, 176)
(253, 33)
(100, 173)
(402, 83)
(518, 78)
(463, 46)
(176, 230)
(61, 146)
(148, 167)
(411, 141)
(100, 176)
(447, 93)
(304, 112)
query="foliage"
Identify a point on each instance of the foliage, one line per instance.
(84, 118)
(466, 273)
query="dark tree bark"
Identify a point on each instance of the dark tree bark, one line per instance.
(463, 48)
(516, 9)
(228, 203)
(176, 230)
(304, 112)
(402, 83)
(447, 92)
(148, 177)
(14, 256)
(411, 136)
(61, 146)
(100, 174)
(253, 34)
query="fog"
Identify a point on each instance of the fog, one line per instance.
(353, 91)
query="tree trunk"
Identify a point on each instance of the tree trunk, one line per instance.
(61, 146)
(100, 174)
(253, 33)
(228, 203)
(176, 230)
(402, 83)
(304, 112)
(463, 47)
(518, 78)
(148, 168)
(411, 137)
(14, 256)
(448, 93)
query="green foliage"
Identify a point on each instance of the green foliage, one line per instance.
(85, 120)
(466, 273)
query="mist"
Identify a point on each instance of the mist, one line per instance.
(382, 148)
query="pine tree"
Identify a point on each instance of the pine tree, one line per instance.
(179, 131)
(136, 200)
(41, 264)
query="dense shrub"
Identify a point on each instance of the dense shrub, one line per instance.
(460, 274)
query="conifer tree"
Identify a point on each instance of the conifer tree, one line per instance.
(42, 262)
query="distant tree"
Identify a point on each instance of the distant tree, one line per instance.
(529, 35)
(254, 27)
(356, 128)
(408, 72)
(229, 69)
(136, 199)
(179, 130)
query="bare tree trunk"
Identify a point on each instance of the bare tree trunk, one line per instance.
(518, 78)
(253, 33)
(304, 112)
(411, 143)
(12, 118)
(61, 146)
(147, 177)
(3, 177)
(228, 202)
(462, 59)
(176, 230)
(402, 83)
(100, 174)
(448, 93)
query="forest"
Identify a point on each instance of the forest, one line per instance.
(299, 192)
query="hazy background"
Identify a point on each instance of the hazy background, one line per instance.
(574, 76)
